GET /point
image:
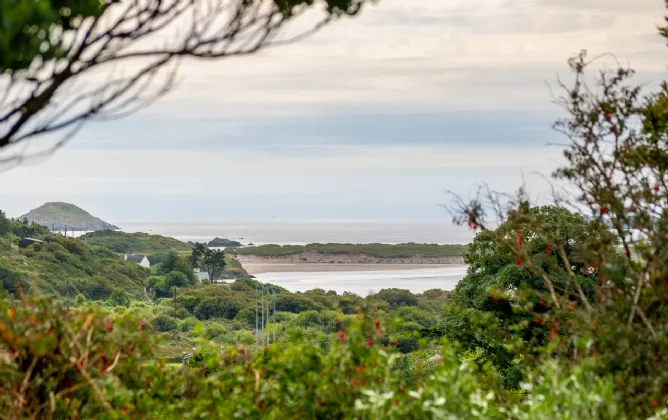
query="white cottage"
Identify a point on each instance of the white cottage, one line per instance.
(139, 259)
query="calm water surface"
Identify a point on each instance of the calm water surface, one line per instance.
(299, 233)
(365, 282)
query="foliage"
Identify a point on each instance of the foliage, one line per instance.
(606, 297)
(107, 373)
(28, 29)
(59, 364)
(373, 250)
(135, 243)
(396, 297)
(176, 263)
(4, 224)
(67, 265)
(164, 323)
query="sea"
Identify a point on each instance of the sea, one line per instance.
(335, 231)
(440, 231)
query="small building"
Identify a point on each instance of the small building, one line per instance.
(201, 275)
(26, 242)
(139, 259)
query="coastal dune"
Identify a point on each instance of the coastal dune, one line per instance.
(311, 261)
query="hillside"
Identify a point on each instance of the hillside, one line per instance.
(407, 250)
(64, 264)
(135, 243)
(59, 216)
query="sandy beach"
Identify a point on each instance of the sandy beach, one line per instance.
(269, 267)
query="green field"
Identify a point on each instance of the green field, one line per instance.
(374, 250)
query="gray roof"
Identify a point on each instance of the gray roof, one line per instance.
(136, 258)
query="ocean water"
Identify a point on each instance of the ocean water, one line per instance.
(365, 282)
(300, 233)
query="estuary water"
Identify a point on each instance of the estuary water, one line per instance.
(365, 282)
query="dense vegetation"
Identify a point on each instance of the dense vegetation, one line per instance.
(373, 250)
(135, 243)
(557, 318)
(60, 216)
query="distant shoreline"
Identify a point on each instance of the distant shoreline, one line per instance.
(277, 267)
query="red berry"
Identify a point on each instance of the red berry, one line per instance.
(608, 117)
(603, 210)
(369, 342)
(548, 249)
(542, 303)
(342, 336)
(148, 382)
(125, 410)
(396, 402)
(518, 262)
(108, 325)
(655, 404)
(377, 324)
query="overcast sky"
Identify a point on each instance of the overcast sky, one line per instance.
(374, 117)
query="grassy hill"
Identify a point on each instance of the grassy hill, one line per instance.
(58, 215)
(374, 250)
(135, 243)
(155, 246)
(47, 268)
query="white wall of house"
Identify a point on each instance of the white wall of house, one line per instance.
(145, 263)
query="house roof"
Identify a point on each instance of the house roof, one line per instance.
(136, 258)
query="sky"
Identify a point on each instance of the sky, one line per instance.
(374, 117)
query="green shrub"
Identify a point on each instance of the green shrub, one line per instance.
(164, 323)
(217, 307)
(188, 324)
(182, 313)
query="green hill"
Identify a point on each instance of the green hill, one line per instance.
(135, 243)
(60, 265)
(60, 216)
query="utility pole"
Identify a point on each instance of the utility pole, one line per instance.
(174, 302)
(262, 310)
(266, 338)
(274, 296)
(68, 295)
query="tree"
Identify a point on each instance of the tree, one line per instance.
(175, 262)
(497, 302)
(4, 224)
(214, 262)
(199, 250)
(48, 48)
(618, 165)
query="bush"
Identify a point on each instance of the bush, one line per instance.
(164, 323)
(120, 298)
(295, 303)
(417, 315)
(188, 324)
(217, 307)
(182, 313)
